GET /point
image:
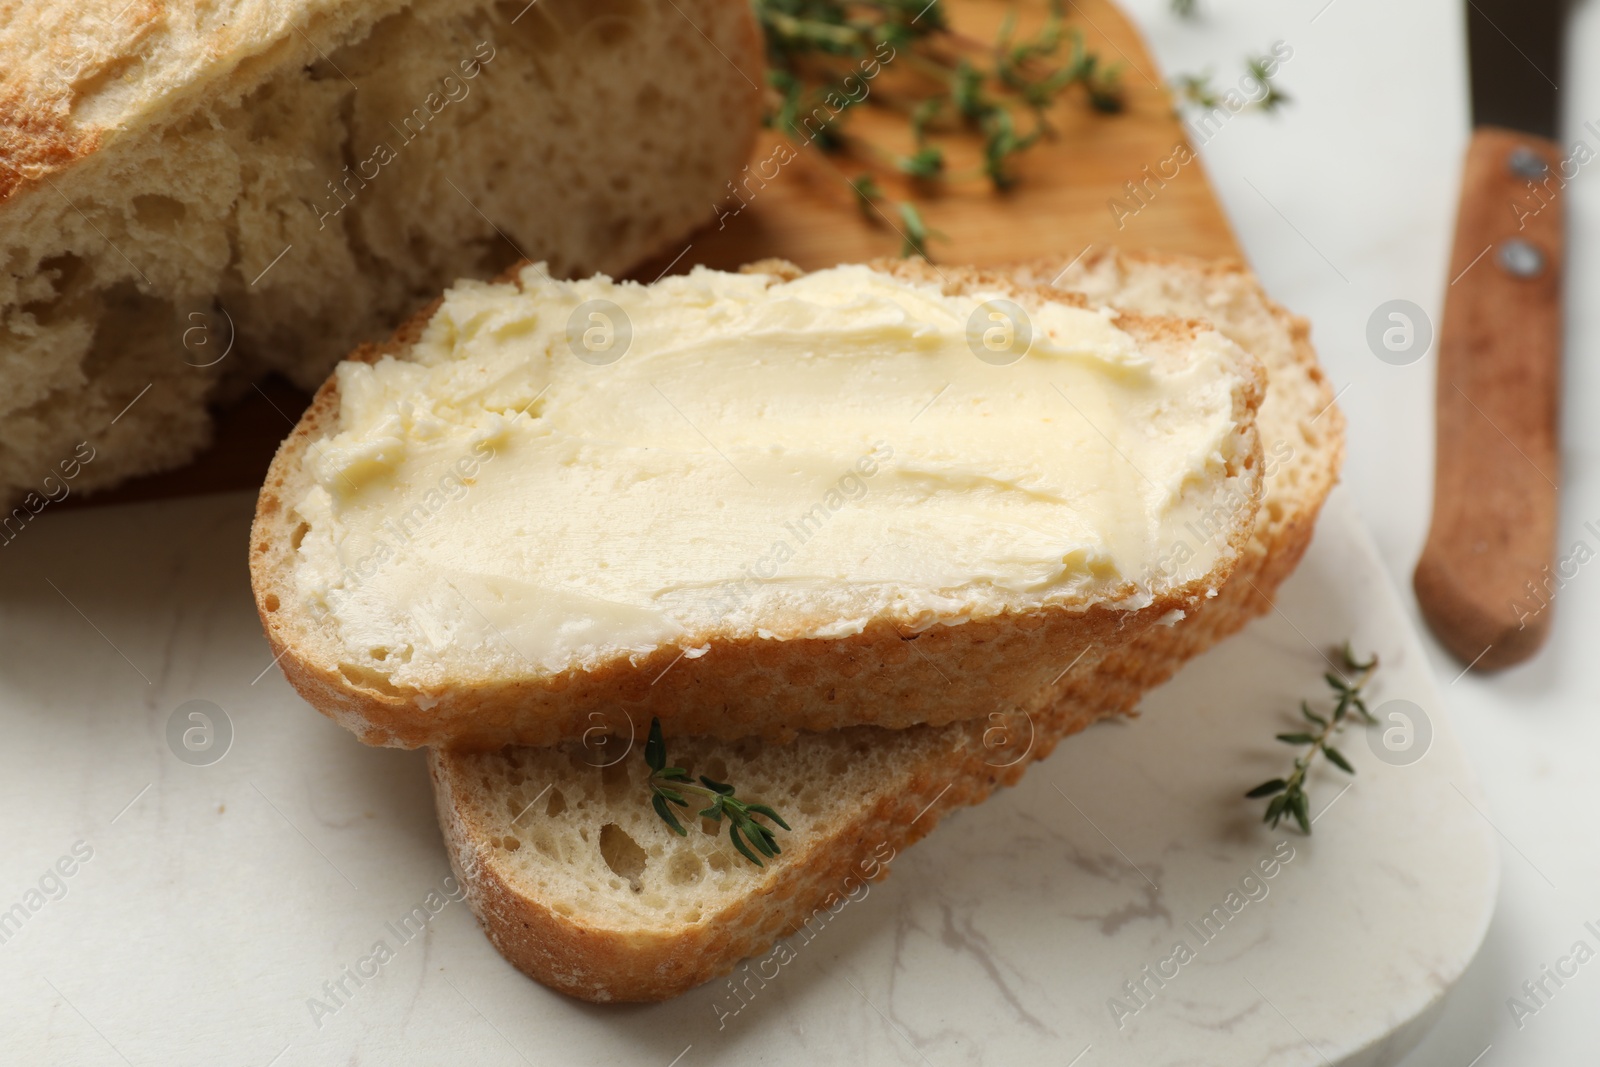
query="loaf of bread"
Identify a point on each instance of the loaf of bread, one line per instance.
(581, 886)
(192, 195)
(796, 502)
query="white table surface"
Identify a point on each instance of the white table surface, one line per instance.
(231, 912)
(1358, 177)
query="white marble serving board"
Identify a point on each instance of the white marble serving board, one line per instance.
(217, 900)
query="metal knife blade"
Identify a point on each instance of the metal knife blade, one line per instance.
(1514, 56)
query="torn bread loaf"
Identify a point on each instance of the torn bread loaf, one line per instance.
(764, 503)
(581, 886)
(193, 195)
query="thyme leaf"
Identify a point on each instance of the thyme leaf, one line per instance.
(1288, 795)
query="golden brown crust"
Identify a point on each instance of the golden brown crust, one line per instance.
(744, 685)
(51, 51)
(35, 141)
(38, 136)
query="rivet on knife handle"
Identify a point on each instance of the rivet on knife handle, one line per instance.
(1484, 581)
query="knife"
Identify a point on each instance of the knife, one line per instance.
(1487, 575)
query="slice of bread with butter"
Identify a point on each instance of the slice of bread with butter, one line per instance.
(747, 504)
(581, 886)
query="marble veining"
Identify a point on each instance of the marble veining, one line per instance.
(1042, 927)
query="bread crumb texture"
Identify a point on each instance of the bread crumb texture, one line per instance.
(192, 196)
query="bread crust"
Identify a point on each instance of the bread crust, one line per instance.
(744, 685)
(46, 56)
(1283, 532)
(591, 961)
(37, 135)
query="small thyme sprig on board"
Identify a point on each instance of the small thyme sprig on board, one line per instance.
(1289, 794)
(914, 242)
(914, 233)
(668, 784)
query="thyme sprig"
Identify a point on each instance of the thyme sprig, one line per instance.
(914, 233)
(1289, 794)
(1199, 90)
(669, 784)
(1196, 89)
(867, 191)
(817, 48)
(1275, 97)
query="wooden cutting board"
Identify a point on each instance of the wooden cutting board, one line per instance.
(1097, 180)
(1064, 201)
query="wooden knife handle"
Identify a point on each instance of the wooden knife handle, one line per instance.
(1485, 579)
